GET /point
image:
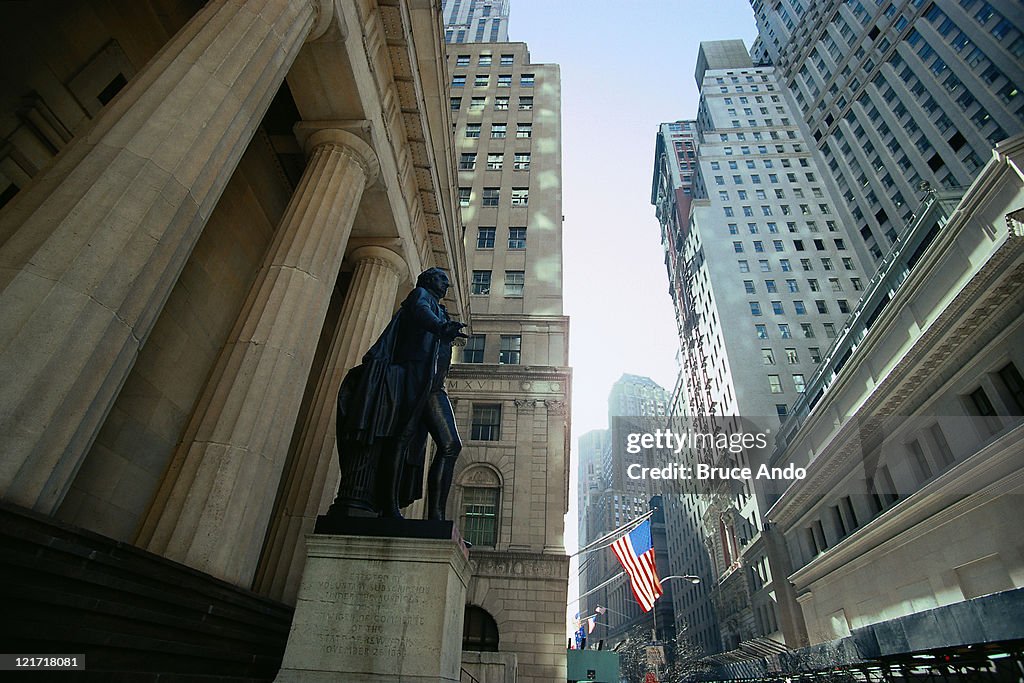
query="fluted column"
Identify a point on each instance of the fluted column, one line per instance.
(91, 250)
(312, 477)
(214, 505)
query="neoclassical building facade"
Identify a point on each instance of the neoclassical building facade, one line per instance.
(210, 211)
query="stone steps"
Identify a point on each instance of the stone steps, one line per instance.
(136, 616)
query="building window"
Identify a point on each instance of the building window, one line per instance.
(499, 130)
(517, 238)
(504, 80)
(520, 196)
(506, 60)
(456, 103)
(486, 422)
(526, 80)
(485, 238)
(467, 162)
(462, 60)
(484, 60)
(792, 357)
(808, 333)
(458, 81)
(767, 357)
(472, 130)
(784, 331)
(762, 331)
(500, 103)
(744, 266)
(482, 80)
(477, 103)
(473, 351)
(755, 308)
(1014, 385)
(777, 308)
(464, 194)
(775, 384)
(524, 130)
(781, 410)
(479, 630)
(495, 161)
(830, 330)
(481, 282)
(521, 161)
(511, 348)
(515, 281)
(799, 307)
(480, 515)
(748, 286)
(525, 103)
(798, 383)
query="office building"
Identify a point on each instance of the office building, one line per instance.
(634, 402)
(764, 275)
(476, 21)
(897, 97)
(512, 387)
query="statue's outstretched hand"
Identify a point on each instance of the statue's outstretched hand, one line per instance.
(452, 330)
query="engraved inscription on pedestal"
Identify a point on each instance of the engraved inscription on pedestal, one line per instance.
(373, 619)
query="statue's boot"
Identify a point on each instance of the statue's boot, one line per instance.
(439, 484)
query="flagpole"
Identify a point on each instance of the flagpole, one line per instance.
(620, 575)
(624, 527)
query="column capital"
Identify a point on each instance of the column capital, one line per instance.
(314, 134)
(323, 17)
(380, 254)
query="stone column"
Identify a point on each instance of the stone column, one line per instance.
(525, 515)
(312, 476)
(91, 250)
(214, 505)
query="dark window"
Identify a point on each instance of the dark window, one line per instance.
(480, 515)
(479, 630)
(485, 238)
(511, 347)
(1014, 384)
(473, 352)
(112, 88)
(486, 422)
(481, 282)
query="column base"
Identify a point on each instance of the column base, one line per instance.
(380, 608)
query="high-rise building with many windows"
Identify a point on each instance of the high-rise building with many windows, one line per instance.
(764, 276)
(475, 21)
(511, 389)
(897, 97)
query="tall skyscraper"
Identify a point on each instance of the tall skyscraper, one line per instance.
(763, 276)
(476, 21)
(633, 400)
(897, 97)
(512, 386)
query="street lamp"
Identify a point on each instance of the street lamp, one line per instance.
(689, 577)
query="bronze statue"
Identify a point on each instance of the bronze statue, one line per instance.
(390, 403)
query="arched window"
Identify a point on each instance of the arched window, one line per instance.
(480, 502)
(479, 630)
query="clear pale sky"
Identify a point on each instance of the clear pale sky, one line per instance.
(627, 66)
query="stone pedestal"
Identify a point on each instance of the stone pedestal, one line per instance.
(380, 609)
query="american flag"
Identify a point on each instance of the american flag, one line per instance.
(636, 554)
